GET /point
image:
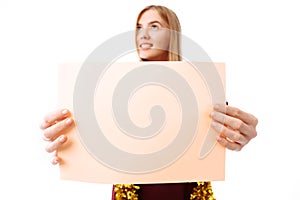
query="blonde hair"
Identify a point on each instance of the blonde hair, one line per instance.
(170, 18)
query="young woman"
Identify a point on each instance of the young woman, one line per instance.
(155, 42)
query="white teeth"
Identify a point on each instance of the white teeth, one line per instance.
(144, 46)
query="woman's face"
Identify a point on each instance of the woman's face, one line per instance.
(152, 37)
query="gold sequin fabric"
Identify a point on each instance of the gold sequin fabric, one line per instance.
(126, 191)
(203, 191)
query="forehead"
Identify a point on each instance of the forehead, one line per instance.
(150, 16)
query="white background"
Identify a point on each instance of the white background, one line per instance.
(258, 40)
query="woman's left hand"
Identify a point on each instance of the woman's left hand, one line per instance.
(236, 127)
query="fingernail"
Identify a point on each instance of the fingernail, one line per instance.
(214, 124)
(54, 161)
(213, 114)
(68, 121)
(61, 138)
(64, 111)
(219, 138)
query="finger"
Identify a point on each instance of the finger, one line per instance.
(230, 134)
(244, 116)
(53, 131)
(232, 122)
(53, 117)
(237, 113)
(229, 145)
(54, 145)
(55, 160)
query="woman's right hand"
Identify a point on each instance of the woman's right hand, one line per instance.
(54, 125)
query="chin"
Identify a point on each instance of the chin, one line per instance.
(145, 58)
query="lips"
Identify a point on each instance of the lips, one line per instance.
(146, 45)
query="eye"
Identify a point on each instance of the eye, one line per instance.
(154, 27)
(138, 28)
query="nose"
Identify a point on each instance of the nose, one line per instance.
(144, 33)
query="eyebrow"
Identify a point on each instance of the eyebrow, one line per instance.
(152, 22)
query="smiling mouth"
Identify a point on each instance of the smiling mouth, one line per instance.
(146, 46)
